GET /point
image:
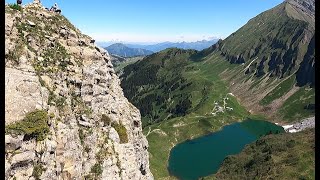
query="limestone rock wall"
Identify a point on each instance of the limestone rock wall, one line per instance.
(52, 66)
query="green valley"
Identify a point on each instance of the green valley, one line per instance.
(264, 70)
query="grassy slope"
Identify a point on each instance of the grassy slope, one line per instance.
(270, 33)
(279, 91)
(294, 107)
(119, 67)
(291, 109)
(282, 156)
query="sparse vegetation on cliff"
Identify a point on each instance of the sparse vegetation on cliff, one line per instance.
(37, 171)
(96, 169)
(58, 101)
(35, 125)
(105, 119)
(15, 6)
(122, 132)
(54, 59)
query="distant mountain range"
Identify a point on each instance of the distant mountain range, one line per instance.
(124, 51)
(141, 49)
(198, 45)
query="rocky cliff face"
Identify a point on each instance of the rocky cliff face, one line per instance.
(307, 7)
(66, 116)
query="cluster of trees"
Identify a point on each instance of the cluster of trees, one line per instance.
(145, 76)
(181, 108)
(155, 100)
(155, 86)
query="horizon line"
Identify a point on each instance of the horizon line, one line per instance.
(125, 37)
(154, 42)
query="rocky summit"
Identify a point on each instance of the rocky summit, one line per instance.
(65, 113)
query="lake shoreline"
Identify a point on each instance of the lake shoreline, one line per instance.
(213, 148)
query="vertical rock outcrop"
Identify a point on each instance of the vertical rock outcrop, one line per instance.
(91, 131)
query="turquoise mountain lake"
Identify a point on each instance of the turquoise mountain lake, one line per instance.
(203, 156)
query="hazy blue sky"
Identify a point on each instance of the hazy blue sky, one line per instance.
(159, 20)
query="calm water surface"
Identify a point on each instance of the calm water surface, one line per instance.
(202, 156)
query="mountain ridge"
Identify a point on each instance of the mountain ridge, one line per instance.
(156, 47)
(197, 45)
(124, 51)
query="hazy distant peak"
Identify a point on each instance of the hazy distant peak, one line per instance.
(124, 51)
